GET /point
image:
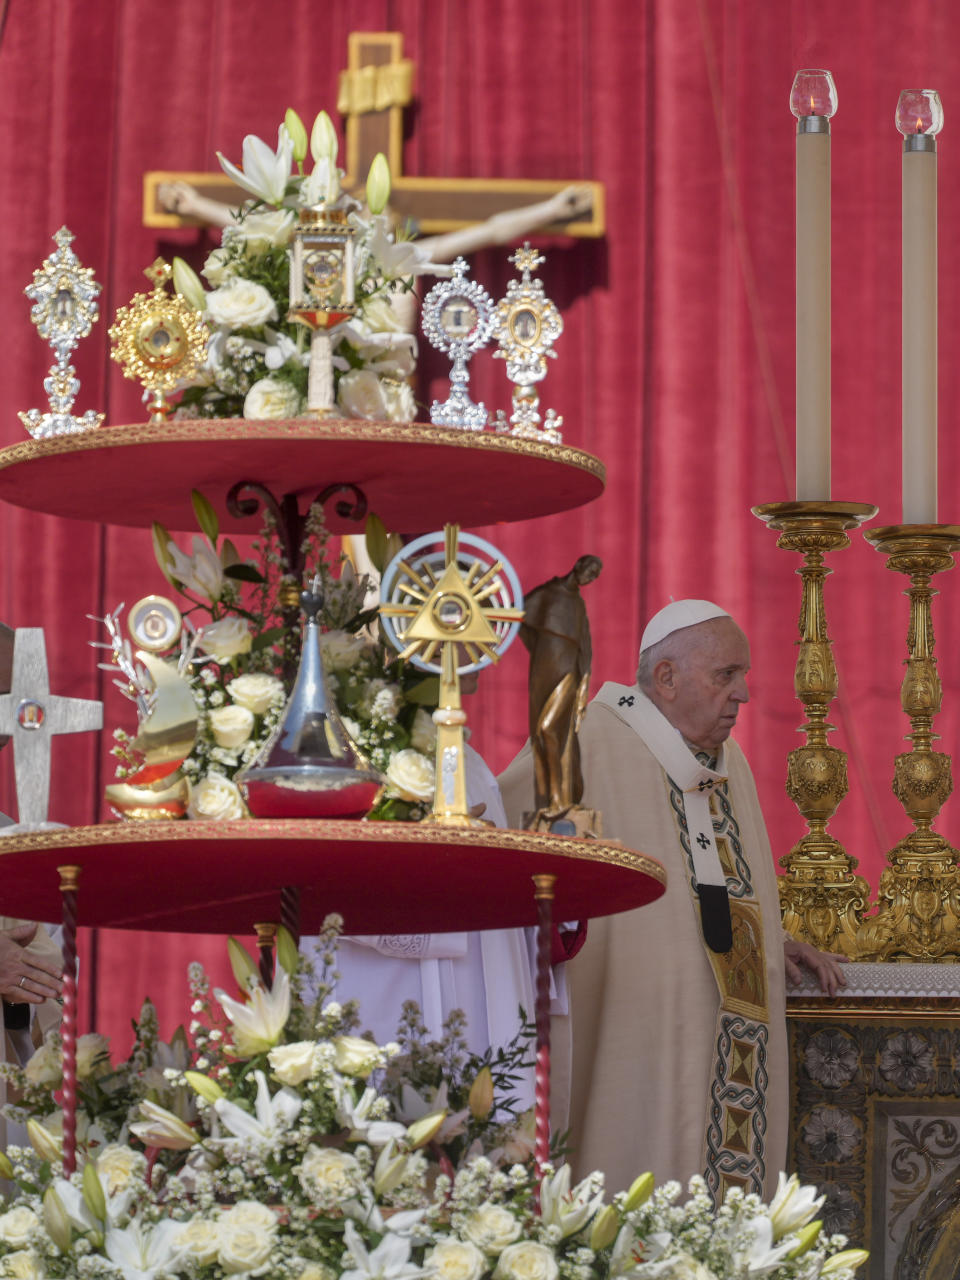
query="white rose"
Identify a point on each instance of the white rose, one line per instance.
(340, 649)
(46, 1065)
(17, 1226)
(200, 1238)
(231, 725)
(411, 775)
(241, 304)
(23, 1265)
(527, 1260)
(91, 1049)
(215, 268)
(118, 1167)
(271, 398)
(491, 1228)
(684, 1267)
(455, 1260)
(399, 400)
(293, 1063)
(256, 691)
(246, 1249)
(215, 799)
(381, 316)
(250, 1213)
(423, 733)
(260, 231)
(225, 638)
(359, 395)
(355, 1056)
(330, 1177)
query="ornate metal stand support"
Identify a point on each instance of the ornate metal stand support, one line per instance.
(69, 877)
(543, 892)
(920, 888)
(822, 900)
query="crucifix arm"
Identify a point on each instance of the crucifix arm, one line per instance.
(186, 201)
(512, 224)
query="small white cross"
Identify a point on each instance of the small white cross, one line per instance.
(30, 714)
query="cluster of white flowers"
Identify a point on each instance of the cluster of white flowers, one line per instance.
(257, 360)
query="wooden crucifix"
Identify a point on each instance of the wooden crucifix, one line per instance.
(374, 90)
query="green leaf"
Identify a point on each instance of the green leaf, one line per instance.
(206, 516)
(287, 954)
(267, 638)
(93, 1191)
(161, 539)
(426, 693)
(243, 572)
(375, 533)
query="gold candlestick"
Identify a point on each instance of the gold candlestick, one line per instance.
(920, 888)
(821, 899)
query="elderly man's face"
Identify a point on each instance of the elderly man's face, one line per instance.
(706, 683)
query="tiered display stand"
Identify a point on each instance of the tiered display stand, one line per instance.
(381, 877)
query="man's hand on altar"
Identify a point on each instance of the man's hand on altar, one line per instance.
(825, 967)
(26, 978)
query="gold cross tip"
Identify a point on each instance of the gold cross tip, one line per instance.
(158, 273)
(527, 258)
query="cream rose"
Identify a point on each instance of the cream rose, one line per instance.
(423, 733)
(215, 799)
(685, 1267)
(340, 649)
(241, 304)
(359, 395)
(225, 638)
(491, 1228)
(17, 1226)
(23, 1265)
(455, 1260)
(245, 1248)
(215, 268)
(398, 400)
(118, 1167)
(527, 1260)
(411, 775)
(293, 1063)
(256, 691)
(355, 1056)
(261, 231)
(201, 1239)
(271, 398)
(231, 725)
(93, 1055)
(250, 1213)
(381, 316)
(46, 1065)
(329, 1177)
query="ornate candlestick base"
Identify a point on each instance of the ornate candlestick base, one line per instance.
(822, 900)
(917, 916)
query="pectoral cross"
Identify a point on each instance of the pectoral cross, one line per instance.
(374, 90)
(30, 714)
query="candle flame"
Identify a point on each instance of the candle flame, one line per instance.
(919, 125)
(813, 108)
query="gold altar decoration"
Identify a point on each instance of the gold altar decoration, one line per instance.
(821, 898)
(919, 895)
(159, 340)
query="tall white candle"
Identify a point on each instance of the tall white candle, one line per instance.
(813, 100)
(919, 119)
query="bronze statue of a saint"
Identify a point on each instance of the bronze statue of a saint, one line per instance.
(556, 632)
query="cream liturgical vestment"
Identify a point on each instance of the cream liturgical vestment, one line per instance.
(679, 1051)
(31, 1022)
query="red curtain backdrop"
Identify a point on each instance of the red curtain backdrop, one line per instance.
(676, 365)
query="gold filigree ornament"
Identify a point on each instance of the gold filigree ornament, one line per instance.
(159, 340)
(526, 325)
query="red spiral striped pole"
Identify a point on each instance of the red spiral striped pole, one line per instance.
(69, 877)
(543, 893)
(290, 911)
(266, 937)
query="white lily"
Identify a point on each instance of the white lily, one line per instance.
(264, 173)
(793, 1206)
(355, 1116)
(272, 1117)
(323, 184)
(200, 572)
(625, 1255)
(161, 1128)
(258, 1023)
(144, 1254)
(762, 1255)
(390, 1260)
(569, 1210)
(397, 260)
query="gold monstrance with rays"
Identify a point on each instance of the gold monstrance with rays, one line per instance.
(452, 597)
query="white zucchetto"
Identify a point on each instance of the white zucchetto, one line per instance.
(677, 615)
